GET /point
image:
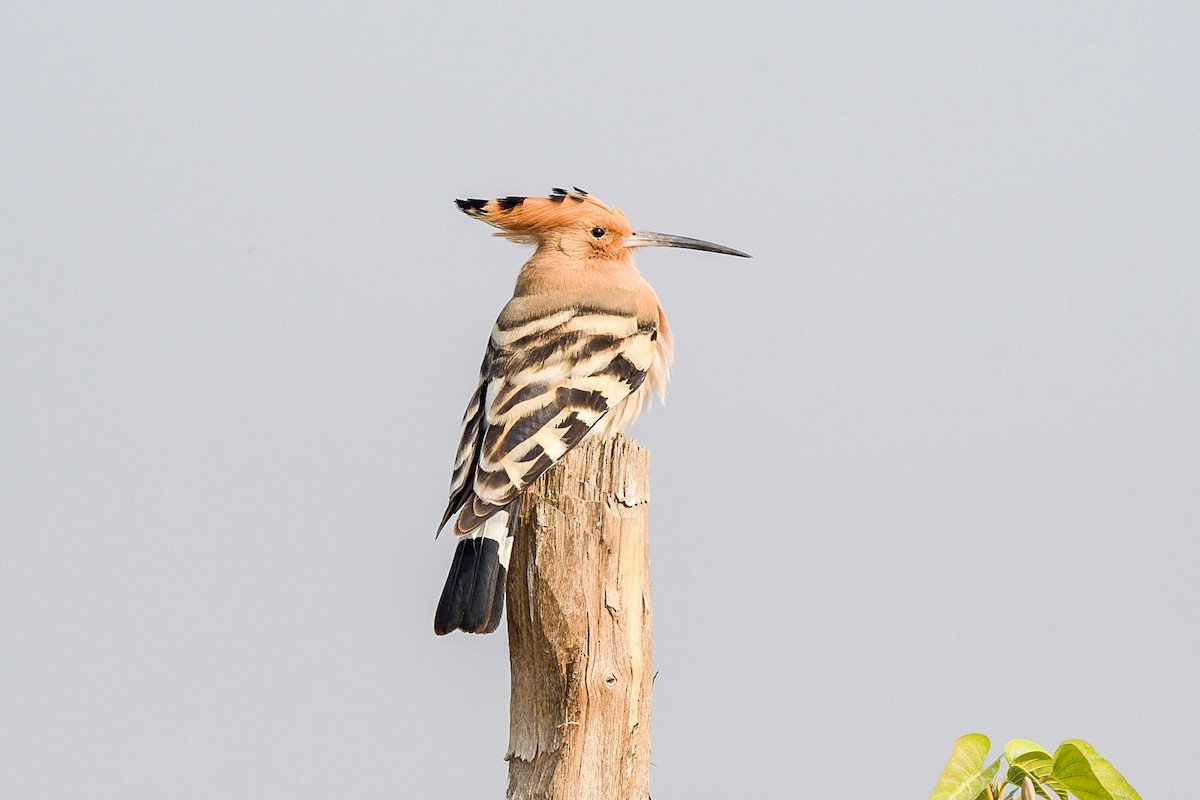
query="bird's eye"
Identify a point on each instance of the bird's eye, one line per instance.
(598, 232)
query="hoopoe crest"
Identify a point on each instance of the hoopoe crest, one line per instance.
(579, 351)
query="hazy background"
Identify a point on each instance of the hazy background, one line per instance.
(931, 461)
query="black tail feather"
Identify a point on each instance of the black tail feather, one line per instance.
(497, 600)
(449, 614)
(473, 598)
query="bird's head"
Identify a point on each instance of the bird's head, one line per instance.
(575, 223)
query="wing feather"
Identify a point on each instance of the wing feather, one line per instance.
(545, 383)
(469, 443)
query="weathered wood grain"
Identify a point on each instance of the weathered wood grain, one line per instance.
(579, 629)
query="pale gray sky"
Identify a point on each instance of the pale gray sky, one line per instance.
(929, 464)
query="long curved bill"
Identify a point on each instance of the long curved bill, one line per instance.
(652, 239)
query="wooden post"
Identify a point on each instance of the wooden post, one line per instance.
(579, 629)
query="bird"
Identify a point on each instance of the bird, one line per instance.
(579, 351)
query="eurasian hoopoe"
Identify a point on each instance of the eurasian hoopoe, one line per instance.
(578, 351)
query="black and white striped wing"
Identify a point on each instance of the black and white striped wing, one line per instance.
(544, 384)
(473, 428)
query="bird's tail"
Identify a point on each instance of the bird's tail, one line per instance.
(473, 599)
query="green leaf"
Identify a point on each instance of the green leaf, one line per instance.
(965, 776)
(1030, 758)
(1089, 776)
(1043, 786)
(1023, 751)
